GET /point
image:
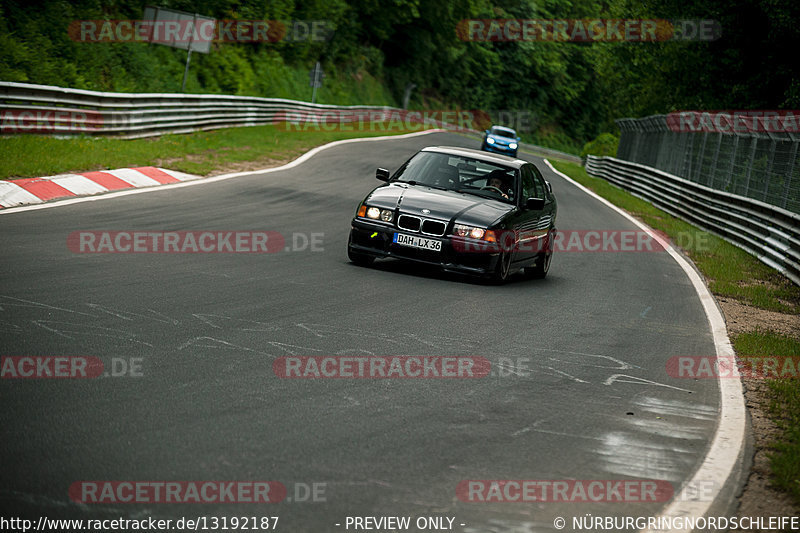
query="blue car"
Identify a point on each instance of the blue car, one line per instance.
(500, 140)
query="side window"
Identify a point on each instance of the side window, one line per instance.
(531, 188)
(540, 183)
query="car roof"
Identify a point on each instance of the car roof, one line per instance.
(477, 154)
(512, 130)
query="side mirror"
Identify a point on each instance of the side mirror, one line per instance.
(549, 187)
(486, 132)
(518, 139)
(382, 174)
(534, 204)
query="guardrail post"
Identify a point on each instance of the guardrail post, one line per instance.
(789, 176)
(768, 174)
(754, 144)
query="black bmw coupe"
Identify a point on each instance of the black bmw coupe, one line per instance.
(463, 210)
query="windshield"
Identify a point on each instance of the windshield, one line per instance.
(462, 174)
(503, 132)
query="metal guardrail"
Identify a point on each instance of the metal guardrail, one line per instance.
(28, 108)
(770, 233)
(63, 111)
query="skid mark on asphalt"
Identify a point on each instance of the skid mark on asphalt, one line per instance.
(618, 378)
(634, 453)
(211, 342)
(677, 408)
(435, 341)
(564, 374)
(6, 301)
(84, 329)
(252, 325)
(620, 364)
(129, 316)
(627, 454)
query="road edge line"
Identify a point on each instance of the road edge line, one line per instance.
(728, 444)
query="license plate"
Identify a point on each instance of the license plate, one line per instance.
(417, 242)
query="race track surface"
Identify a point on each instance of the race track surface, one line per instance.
(594, 403)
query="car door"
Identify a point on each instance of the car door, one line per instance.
(547, 219)
(533, 223)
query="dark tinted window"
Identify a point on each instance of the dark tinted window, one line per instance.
(531, 187)
(504, 132)
(460, 173)
(541, 183)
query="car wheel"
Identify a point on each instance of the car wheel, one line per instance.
(539, 271)
(503, 268)
(360, 259)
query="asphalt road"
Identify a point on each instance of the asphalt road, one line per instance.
(595, 402)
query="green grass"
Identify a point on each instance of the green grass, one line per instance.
(196, 153)
(731, 272)
(784, 406)
(554, 141)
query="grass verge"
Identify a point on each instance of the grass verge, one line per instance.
(28, 156)
(784, 405)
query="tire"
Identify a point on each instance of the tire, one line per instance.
(503, 268)
(539, 271)
(360, 259)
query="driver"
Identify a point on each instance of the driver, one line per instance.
(495, 179)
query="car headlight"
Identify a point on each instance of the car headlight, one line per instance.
(513, 146)
(489, 140)
(376, 213)
(461, 230)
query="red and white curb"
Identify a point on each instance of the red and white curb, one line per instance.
(185, 180)
(37, 190)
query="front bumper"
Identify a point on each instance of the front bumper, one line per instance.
(377, 240)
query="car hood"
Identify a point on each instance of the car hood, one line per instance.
(443, 205)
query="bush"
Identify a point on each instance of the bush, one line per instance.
(603, 144)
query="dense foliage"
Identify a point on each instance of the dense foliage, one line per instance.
(572, 90)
